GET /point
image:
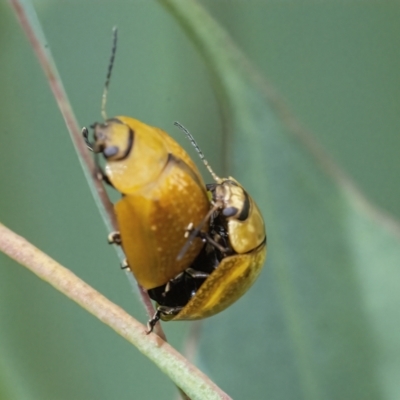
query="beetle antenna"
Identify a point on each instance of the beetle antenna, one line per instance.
(110, 67)
(201, 154)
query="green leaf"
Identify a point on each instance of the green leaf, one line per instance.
(323, 320)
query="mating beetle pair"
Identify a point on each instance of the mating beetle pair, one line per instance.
(163, 195)
(195, 248)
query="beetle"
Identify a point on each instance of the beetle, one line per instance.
(227, 266)
(162, 193)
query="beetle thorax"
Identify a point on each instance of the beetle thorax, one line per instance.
(140, 154)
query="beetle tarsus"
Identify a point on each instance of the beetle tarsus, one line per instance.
(161, 310)
(172, 282)
(124, 264)
(189, 230)
(197, 274)
(209, 239)
(114, 238)
(85, 134)
(101, 176)
(191, 233)
(193, 273)
(152, 322)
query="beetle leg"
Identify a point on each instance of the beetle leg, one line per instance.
(85, 134)
(172, 282)
(188, 230)
(124, 264)
(101, 176)
(114, 238)
(165, 310)
(193, 273)
(209, 239)
(191, 233)
(197, 274)
(161, 310)
(152, 322)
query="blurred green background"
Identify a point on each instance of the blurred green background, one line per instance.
(337, 66)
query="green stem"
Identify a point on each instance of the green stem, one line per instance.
(185, 375)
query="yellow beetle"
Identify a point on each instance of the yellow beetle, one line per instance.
(163, 193)
(227, 266)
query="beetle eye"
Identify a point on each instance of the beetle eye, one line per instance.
(229, 211)
(110, 151)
